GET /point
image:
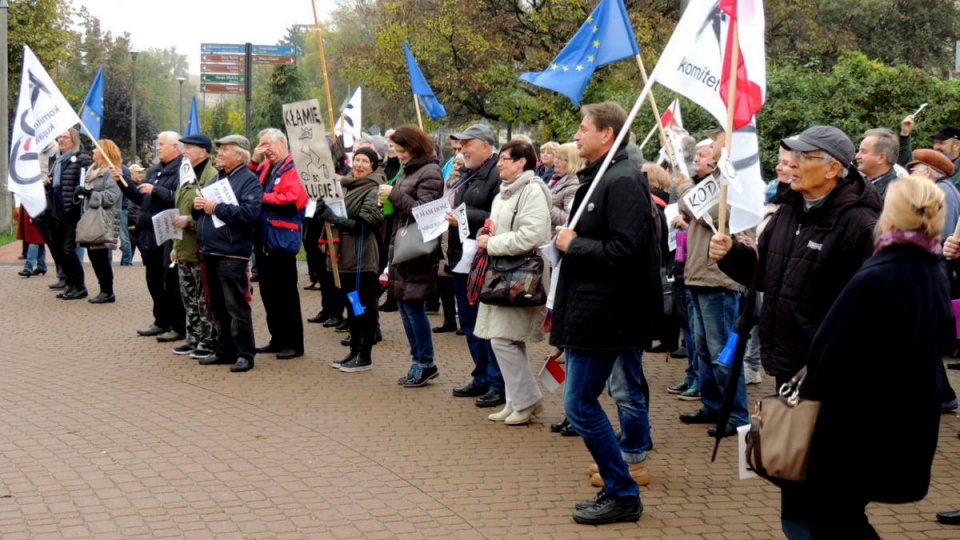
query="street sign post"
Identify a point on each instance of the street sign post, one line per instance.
(218, 78)
(221, 68)
(222, 88)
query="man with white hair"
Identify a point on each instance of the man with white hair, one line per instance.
(282, 213)
(154, 195)
(478, 185)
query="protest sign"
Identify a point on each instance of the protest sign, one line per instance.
(221, 193)
(163, 228)
(431, 218)
(311, 152)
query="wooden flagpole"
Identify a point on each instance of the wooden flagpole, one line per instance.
(331, 246)
(656, 113)
(649, 136)
(100, 148)
(731, 108)
(416, 103)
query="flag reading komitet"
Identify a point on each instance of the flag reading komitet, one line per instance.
(42, 114)
(692, 64)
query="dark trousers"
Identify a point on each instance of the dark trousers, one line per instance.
(226, 278)
(70, 262)
(103, 268)
(163, 283)
(312, 229)
(281, 298)
(363, 328)
(331, 298)
(445, 290)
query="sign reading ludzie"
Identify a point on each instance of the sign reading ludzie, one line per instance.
(311, 152)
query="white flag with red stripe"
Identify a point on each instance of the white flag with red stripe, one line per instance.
(671, 117)
(552, 374)
(692, 64)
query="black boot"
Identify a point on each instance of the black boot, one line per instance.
(362, 361)
(354, 352)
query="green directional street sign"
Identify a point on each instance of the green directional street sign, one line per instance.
(222, 78)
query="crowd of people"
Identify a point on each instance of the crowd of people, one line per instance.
(850, 236)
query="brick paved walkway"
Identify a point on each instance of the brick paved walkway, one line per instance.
(109, 435)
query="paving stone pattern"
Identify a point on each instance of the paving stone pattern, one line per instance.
(109, 435)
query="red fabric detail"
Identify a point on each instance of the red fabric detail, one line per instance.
(749, 98)
(555, 370)
(660, 202)
(283, 224)
(288, 190)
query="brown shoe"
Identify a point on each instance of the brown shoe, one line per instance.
(638, 471)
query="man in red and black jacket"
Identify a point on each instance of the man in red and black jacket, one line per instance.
(277, 242)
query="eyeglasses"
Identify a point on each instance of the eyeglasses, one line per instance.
(804, 157)
(507, 158)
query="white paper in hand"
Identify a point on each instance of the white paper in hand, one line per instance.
(311, 208)
(460, 213)
(466, 261)
(703, 197)
(163, 228)
(220, 192)
(728, 173)
(745, 473)
(431, 218)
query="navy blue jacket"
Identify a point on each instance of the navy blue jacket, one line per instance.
(875, 366)
(235, 239)
(165, 178)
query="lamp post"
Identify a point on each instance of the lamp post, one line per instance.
(133, 108)
(180, 102)
(6, 204)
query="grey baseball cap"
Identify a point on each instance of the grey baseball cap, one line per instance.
(827, 138)
(236, 140)
(476, 131)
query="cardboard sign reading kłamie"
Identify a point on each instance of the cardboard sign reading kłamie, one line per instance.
(311, 153)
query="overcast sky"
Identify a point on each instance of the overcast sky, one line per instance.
(185, 24)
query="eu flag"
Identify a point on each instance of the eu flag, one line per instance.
(92, 113)
(193, 124)
(421, 88)
(604, 38)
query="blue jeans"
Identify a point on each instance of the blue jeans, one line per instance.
(126, 258)
(627, 390)
(751, 357)
(587, 374)
(486, 371)
(36, 258)
(417, 327)
(713, 317)
(692, 378)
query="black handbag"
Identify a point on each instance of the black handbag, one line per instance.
(514, 280)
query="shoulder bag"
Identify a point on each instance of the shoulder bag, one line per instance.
(514, 280)
(778, 443)
(93, 227)
(408, 246)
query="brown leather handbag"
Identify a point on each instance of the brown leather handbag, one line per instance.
(778, 443)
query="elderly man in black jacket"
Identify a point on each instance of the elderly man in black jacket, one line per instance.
(479, 184)
(602, 308)
(809, 250)
(226, 254)
(63, 212)
(154, 195)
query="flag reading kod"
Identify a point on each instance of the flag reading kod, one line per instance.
(311, 152)
(42, 114)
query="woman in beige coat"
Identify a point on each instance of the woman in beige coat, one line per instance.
(521, 222)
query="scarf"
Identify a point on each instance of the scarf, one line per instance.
(508, 188)
(58, 167)
(93, 173)
(355, 189)
(556, 178)
(893, 238)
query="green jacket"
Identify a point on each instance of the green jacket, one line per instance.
(186, 249)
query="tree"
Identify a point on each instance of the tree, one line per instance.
(41, 24)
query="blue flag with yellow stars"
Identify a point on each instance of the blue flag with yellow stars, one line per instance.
(604, 38)
(92, 113)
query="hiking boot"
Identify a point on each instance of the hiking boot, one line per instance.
(638, 471)
(606, 509)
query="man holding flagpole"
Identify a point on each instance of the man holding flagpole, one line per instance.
(596, 319)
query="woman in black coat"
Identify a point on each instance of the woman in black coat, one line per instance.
(413, 281)
(880, 393)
